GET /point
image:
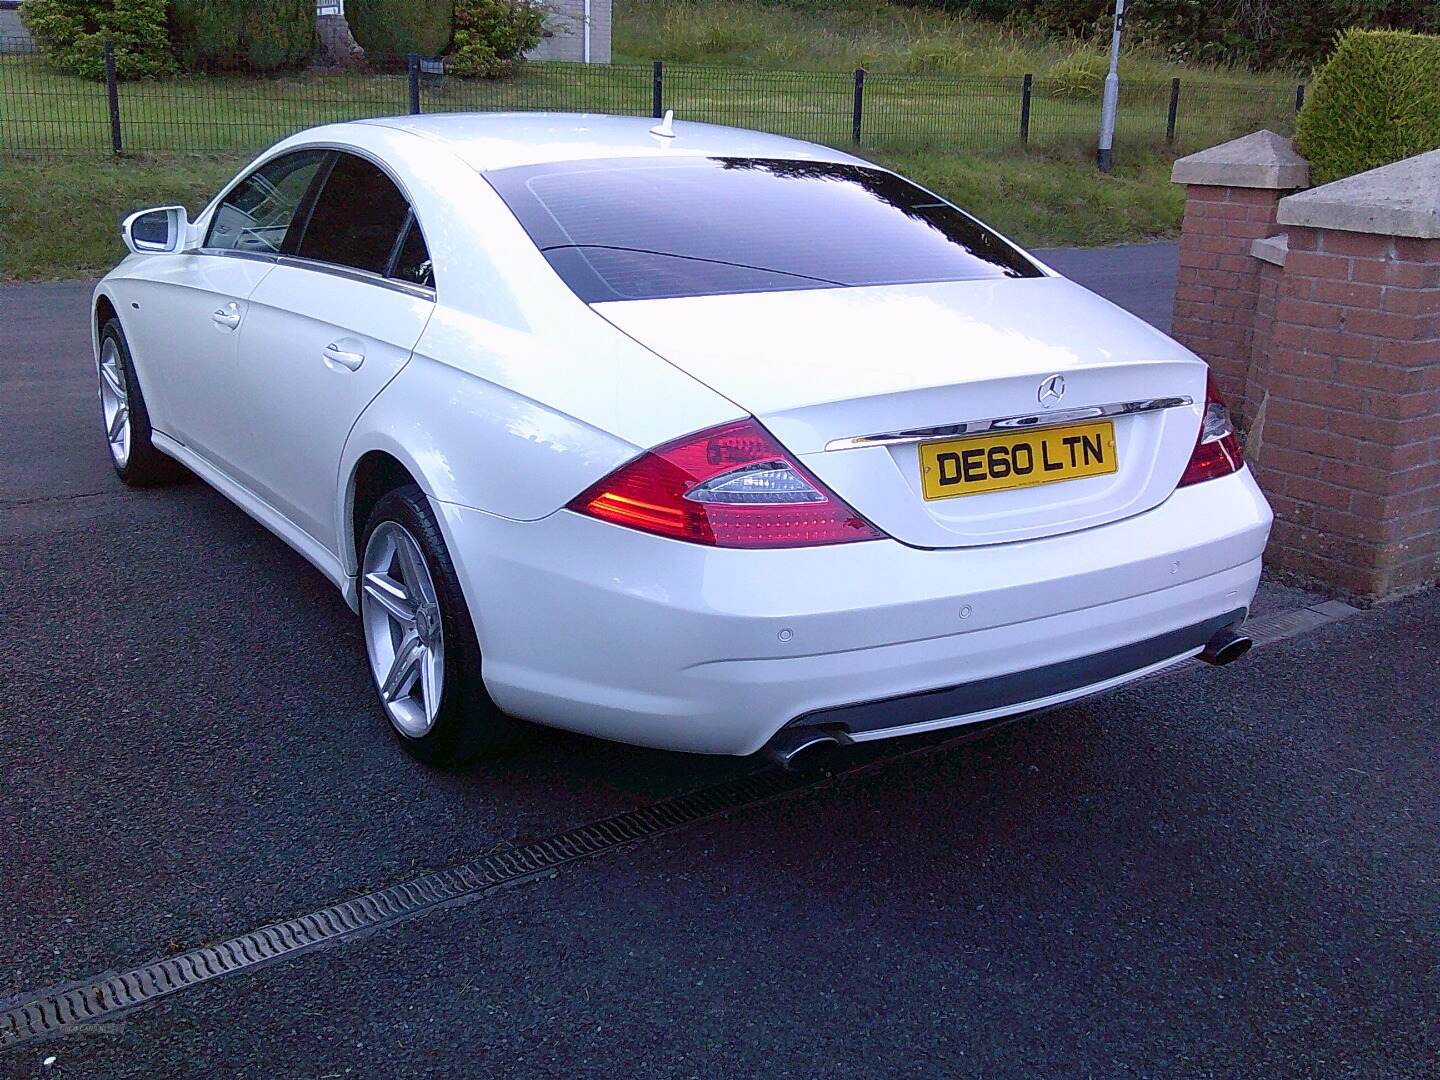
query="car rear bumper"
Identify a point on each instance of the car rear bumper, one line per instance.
(1016, 690)
(600, 629)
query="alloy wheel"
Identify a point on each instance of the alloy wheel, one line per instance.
(115, 401)
(403, 633)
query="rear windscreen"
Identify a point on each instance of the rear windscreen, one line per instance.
(646, 228)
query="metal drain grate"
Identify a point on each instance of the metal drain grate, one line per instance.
(103, 997)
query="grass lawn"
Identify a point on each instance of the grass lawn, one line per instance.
(942, 103)
(47, 111)
(60, 219)
(878, 35)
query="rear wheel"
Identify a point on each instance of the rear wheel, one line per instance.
(420, 639)
(126, 419)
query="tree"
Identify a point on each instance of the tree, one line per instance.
(401, 27)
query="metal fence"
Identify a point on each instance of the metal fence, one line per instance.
(46, 112)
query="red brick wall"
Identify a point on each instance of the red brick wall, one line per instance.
(1348, 392)
(1216, 292)
(1257, 384)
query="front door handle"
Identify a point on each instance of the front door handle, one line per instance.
(335, 355)
(227, 316)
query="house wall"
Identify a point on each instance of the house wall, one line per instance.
(565, 30)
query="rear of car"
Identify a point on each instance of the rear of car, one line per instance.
(962, 486)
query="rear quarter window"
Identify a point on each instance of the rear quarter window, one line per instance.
(648, 228)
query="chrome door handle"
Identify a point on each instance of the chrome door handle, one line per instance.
(227, 316)
(335, 355)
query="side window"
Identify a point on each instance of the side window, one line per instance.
(412, 260)
(258, 212)
(357, 217)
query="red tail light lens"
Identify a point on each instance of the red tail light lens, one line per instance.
(1217, 450)
(730, 486)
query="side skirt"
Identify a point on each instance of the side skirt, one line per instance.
(306, 545)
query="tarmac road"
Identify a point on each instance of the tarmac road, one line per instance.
(1231, 872)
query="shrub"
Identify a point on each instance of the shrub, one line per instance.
(1376, 100)
(401, 27)
(1262, 33)
(248, 35)
(72, 34)
(491, 34)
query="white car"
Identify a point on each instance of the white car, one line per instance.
(685, 436)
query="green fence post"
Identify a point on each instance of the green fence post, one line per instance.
(1174, 108)
(1026, 89)
(112, 91)
(657, 90)
(857, 110)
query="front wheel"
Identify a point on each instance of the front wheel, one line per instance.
(420, 639)
(126, 419)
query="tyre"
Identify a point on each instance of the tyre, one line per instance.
(420, 639)
(126, 420)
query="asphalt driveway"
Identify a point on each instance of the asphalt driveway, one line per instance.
(1230, 872)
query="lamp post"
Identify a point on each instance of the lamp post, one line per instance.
(1112, 93)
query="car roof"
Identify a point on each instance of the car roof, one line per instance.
(487, 141)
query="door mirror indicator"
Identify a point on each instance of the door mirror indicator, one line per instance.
(156, 231)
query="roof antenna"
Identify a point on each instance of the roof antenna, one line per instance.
(665, 128)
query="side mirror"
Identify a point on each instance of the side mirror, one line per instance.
(148, 232)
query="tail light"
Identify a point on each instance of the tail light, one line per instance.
(1217, 450)
(730, 486)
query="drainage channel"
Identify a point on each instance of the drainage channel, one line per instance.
(104, 997)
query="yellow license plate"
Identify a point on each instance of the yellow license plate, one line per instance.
(1016, 459)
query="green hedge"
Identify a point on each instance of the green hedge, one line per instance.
(1376, 100)
(248, 35)
(71, 34)
(401, 27)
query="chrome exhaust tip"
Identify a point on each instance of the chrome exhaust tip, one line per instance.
(799, 749)
(1225, 647)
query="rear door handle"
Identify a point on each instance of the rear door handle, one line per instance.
(227, 316)
(335, 355)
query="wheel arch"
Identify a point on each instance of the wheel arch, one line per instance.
(105, 310)
(371, 475)
(102, 309)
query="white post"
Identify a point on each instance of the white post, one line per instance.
(1112, 93)
(587, 31)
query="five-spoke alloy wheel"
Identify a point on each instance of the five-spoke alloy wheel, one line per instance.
(115, 401)
(126, 419)
(403, 631)
(420, 639)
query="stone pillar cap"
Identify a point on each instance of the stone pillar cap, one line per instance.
(1400, 199)
(1261, 160)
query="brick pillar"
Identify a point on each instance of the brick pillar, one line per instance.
(1347, 444)
(1232, 193)
(1270, 254)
